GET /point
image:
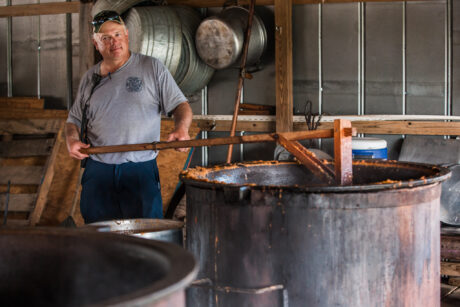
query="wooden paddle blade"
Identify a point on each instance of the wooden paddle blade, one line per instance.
(307, 158)
(342, 152)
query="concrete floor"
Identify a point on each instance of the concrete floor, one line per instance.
(450, 296)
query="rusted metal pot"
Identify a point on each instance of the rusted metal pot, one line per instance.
(268, 234)
(153, 229)
(63, 267)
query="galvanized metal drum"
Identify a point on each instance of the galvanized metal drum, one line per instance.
(156, 31)
(154, 229)
(119, 6)
(219, 39)
(62, 267)
(192, 74)
(269, 234)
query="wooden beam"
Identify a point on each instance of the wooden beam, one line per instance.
(42, 194)
(267, 124)
(450, 269)
(87, 51)
(22, 102)
(29, 126)
(21, 174)
(17, 202)
(26, 148)
(342, 152)
(283, 62)
(18, 113)
(19, 188)
(219, 3)
(51, 8)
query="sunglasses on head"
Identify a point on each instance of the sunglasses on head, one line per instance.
(103, 17)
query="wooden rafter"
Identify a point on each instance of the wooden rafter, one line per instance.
(74, 6)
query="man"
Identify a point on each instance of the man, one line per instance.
(123, 97)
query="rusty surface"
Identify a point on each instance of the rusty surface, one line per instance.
(315, 246)
(370, 175)
(239, 89)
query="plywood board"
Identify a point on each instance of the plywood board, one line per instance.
(171, 162)
(18, 202)
(29, 126)
(25, 148)
(21, 174)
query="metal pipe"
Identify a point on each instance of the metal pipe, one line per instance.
(404, 72)
(38, 57)
(448, 60)
(204, 134)
(69, 71)
(362, 56)
(320, 63)
(241, 76)
(9, 53)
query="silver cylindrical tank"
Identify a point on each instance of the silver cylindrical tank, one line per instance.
(268, 234)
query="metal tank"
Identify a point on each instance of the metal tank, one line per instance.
(153, 229)
(192, 74)
(219, 39)
(156, 31)
(62, 267)
(119, 6)
(268, 234)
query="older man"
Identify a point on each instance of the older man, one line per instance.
(120, 101)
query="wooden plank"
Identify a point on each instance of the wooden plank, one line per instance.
(19, 188)
(45, 185)
(25, 148)
(24, 113)
(87, 50)
(16, 222)
(29, 126)
(18, 202)
(24, 161)
(283, 62)
(40, 9)
(22, 102)
(450, 268)
(369, 127)
(21, 174)
(256, 138)
(308, 159)
(219, 3)
(342, 152)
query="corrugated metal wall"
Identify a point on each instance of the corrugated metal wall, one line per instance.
(371, 58)
(39, 56)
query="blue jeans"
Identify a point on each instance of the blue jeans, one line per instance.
(120, 191)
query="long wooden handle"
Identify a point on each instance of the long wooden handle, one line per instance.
(258, 138)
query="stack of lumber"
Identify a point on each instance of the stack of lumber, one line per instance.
(31, 139)
(450, 255)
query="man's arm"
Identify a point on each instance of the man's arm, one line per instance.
(182, 121)
(74, 145)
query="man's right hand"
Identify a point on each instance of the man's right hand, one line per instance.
(74, 149)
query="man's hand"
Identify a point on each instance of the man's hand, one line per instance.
(73, 142)
(182, 120)
(179, 135)
(74, 149)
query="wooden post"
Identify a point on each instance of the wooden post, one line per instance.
(283, 54)
(87, 51)
(342, 152)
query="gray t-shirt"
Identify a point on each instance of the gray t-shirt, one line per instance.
(126, 106)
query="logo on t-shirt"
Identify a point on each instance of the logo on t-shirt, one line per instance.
(134, 84)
